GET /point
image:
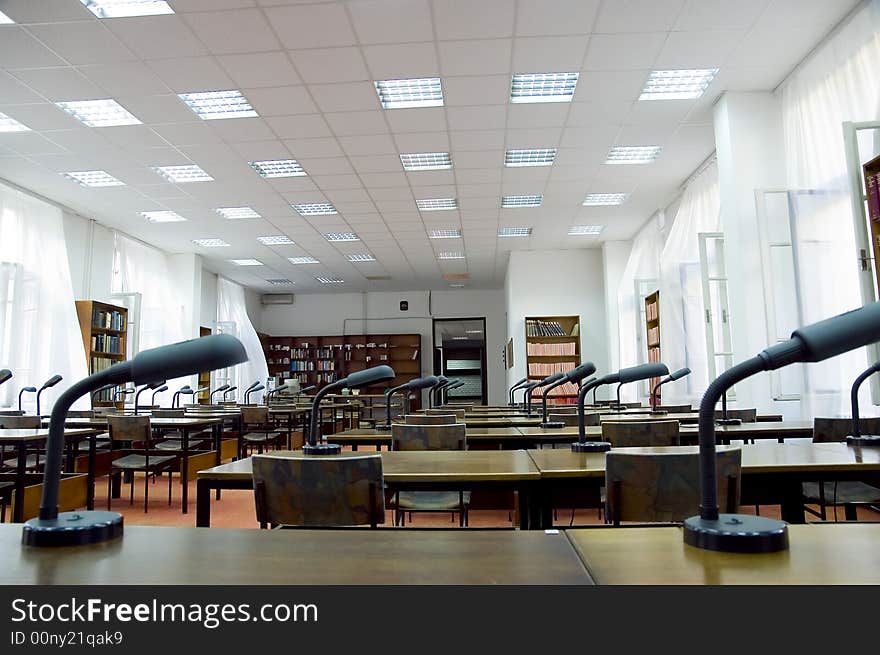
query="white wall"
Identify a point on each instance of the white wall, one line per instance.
(615, 255)
(208, 305)
(557, 283)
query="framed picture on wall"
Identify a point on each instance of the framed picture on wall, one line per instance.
(508, 354)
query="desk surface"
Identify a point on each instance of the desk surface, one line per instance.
(819, 554)
(768, 430)
(190, 556)
(38, 434)
(185, 422)
(370, 435)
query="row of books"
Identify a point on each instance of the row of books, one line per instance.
(544, 369)
(536, 328)
(105, 396)
(552, 349)
(302, 366)
(279, 360)
(653, 335)
(107, 343)
(654, 355)
(97, 364)
(326, 378)
(651, 312)
(567, 389)
(325, 365)
(112, 320)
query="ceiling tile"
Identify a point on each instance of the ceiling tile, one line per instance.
(637, 15)
(355, 123)
(233, 130)
(259, 69)
(323, 65)
(192, 74)
(478, 177)
(59, 84)
(318, 166)
(376, 163)
(720, 14)
(312, 26)
(29, 143)
(384, 21)
(698, 49)
(353, 96)
(612, 52)
(185, 134)
(538, 17)
(475, 139)
(229, 32)
(28, 11)
(464, 19)
(548, 54)
(477, 118)
(158, 109)
(84, 42)
(476, 90)
(400, 61)
(320, 147)
(432, 119)
(298, 127)
(281, 101)
(12, 91)
(537, 115)
(475, 57)
(422, 142)
(18, 49)
(478, 159)
(156, 37)
(379, 180)
(125, 78)
(368, 145)
(41, 117)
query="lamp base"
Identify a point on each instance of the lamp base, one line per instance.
(383, 428)
(737, 533)
(728, 421)
(590, 447)
(72, 529)
(549, 425)
(659, 412)
(863, 440)
(322, 449)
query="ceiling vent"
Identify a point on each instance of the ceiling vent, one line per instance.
(277, 298)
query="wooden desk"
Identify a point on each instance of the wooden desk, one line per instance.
(723, 433)
(500, 437)
(689, 418)
(503, 422)
(819, 555)
(510, 470)
(298, 557)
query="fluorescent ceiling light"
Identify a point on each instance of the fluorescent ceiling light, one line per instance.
(474, 331)
(329, 280)
(512, 202)
(450, 255)
(530, 157)
(341, 236)
(126, 8)
(303, 260)
(232, 213)
(183, 174)
(99, 113)
(279, 281)
(315, 209)
(445, 233)
(456, 286)
(270, 168)
(215, 105)
(436, 204)
(514, 232)
(360, 257)
(543, 87)
(9, 124)
(426, 161)
(246, 262)
(210, 243)
(632, 154)
(4, 19)
(601, 199)
(402, 94)
(93, 178)
(276, 240)
(459, 338)
(163, 216)
(686, 84)
(585, 230)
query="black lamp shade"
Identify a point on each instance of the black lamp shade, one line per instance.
(5, 374)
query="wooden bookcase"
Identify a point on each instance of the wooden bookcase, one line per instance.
(204, 376)
(553, 344)
(104, 330)
(652, 334)
(872, 190)
(321, 360)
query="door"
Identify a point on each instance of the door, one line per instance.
(460, 353)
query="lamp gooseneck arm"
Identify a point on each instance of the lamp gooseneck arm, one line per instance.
(654, 391)
(547, 390)
(316, 410)
(388, 396)
(582, 394)
(854, 397)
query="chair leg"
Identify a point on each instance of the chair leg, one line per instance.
(131, 492)
(170, 480)
(109, 489)
(146, 490)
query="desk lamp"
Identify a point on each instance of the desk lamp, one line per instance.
(537, 385)
(164, 387)
(288, 384)
(51, 382)
(52, 528)
(252, 389)
(122, 393)
(857, 438)
(457, 384)
(672, 377)
(516, 386)
(575, 375)
(659, 367)
(548, 383)
(441, 379)
(217, 390)
(813, 343)
(304, 389)
(185, 390)
(527, 396)
(724, 420)
(23, 390)
(5, 374)
(363, 378)
(413, 385)
(229, 391)
(106, 387)
(438, 390)
(151, 385)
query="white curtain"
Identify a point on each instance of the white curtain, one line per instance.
(142, 269)
(839, 83)
(232, 318)
(640, 276)
(39, 331)
(682, 311)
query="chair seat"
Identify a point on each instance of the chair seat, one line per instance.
(176, 445)
(431, 500)
(32, 461)
(6, 488)
(83, 446)
(261, 437)
(139, 462)
(847, 492)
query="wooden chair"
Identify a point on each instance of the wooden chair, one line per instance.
(571, 420)
(81, 413)
(744, 415)
(846, 493)
(257, 429)
(458, 412)
(36, 458)
(665, 487)
(133, 433)
(20, 422)
(681, 409)
(435, 419)
(6, 489)
(171, 439)
(327, 491)
(430, 437)
(628, 434)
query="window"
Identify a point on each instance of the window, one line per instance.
(719, 351)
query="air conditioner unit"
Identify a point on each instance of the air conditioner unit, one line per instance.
(277, 299)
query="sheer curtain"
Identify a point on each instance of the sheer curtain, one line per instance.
(39, 330)
(232, 318)
(839, 83)
(682, 311)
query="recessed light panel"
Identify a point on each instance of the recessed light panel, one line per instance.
(279, 281)
(302, 260)
(403, 94)
(233, 213)
(515, 232)
(270, 168)
(530, 157)
(585, 230)
(246, 262)
(360, 257)
(210, 243)
(543, 87)
(329, 280)
(215, 105)
(183, 174)
(436, 204)
(341, 236)
(9, 124)
(445, 233)
(126, 8)
(604, 199)
(450, 255)
(315, 209)
(426, 161)
(456, 286)
(4, 19)
(513, 202)
(99, 113)
(276, 240)
(163, 216)
(685, 84)
(93, 178)
(632, 154)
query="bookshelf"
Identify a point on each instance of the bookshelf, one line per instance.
(104, 330)
(553, 345)
(321, 360)
(204, 376)
(652, 333)
(872, 188)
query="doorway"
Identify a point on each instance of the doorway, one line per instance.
(460, 353)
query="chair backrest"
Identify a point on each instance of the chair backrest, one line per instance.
(129, 428)
(168, 413)
(675, 409)
(19, 422)
(254, 415)
(571, 419)
(81, 413)
(562, 409)
(458, 412)
(429, 437)
(424, 419)
(11, 412)
(624, 434)
(319, 491)
(662, 487)
(833, 429)
(458, 407)
(744, 415)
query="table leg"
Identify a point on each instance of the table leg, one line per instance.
(203, 503)
(523, 497)
(184, 470)
(792, 501)
(90, 494)
(217, 431)
(20, 471)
